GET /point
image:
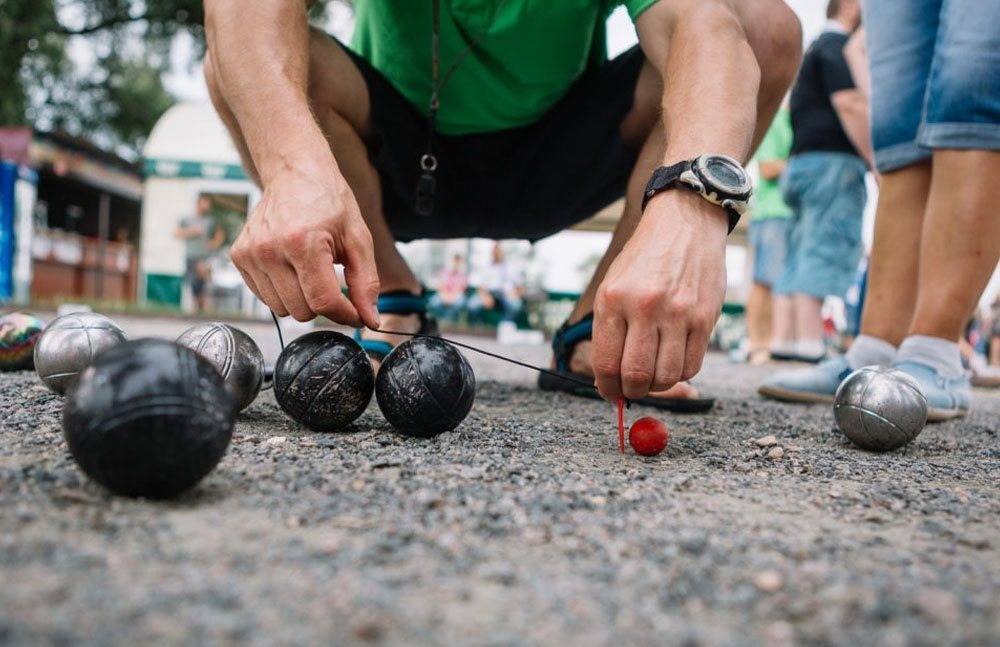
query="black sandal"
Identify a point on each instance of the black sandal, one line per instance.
(563, 343)
(398, 302)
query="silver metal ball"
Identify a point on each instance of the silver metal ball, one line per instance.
(880, 408)
(233, 353)
(68, 345)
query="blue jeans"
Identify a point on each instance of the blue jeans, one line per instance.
(935, 77)
(826, 192)
(769, 242)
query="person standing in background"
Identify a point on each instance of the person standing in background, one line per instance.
(935, 97)
(768, 235)
(824, 184)
(202, 238)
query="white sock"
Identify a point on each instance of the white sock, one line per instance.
(940, 354)
(810, 348)
(867, 350)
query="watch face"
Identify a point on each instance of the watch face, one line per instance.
(725, 173)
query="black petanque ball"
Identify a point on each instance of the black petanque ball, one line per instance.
(425, 387)
(324, 380)
(148, 418)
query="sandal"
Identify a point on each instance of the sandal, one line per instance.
(398, 302)
(563, 343)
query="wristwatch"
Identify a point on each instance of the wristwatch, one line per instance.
(718, 178)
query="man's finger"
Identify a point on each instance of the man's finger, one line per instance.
(694, 354)
(362, 277)
(321, 288)
(639, 360)
(606, 358)
(268, 294)
(286, 282)
(669, 360)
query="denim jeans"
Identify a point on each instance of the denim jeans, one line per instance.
(826, 192)
(935, 77)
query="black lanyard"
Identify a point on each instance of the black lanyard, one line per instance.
(427, 183)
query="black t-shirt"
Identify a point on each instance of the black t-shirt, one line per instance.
(824, 71)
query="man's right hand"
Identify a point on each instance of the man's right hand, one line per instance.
(307, 221)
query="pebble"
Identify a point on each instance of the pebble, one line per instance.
(776, 452)
(768, 581)
(939, 606)
(766, 441)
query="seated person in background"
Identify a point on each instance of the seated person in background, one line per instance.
(502, 289)
(451, 283)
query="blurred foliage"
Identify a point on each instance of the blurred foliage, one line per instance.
(93, 68)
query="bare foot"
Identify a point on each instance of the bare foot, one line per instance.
(579, 362)
(402, 323)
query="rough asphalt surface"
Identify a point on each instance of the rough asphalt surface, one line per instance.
(525, 526)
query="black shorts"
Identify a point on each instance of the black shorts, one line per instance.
(527, 182)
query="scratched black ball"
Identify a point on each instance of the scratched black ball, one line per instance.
(425, 387)
(148, 418)
(324, 380)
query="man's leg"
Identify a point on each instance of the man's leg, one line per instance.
(340, 101)
(759, 313)
(960, 245)
(782, 325)
(808, 326)
(895, 256)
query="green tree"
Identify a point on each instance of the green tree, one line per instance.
(110, 90)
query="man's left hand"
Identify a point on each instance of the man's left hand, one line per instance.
(661, 297)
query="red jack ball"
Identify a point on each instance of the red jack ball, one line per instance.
(648, 436)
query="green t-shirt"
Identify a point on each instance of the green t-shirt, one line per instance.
(777, 144)
(528, 53)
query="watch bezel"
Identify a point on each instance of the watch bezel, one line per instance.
(741, 191)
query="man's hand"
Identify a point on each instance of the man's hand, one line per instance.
(307, 221)
(657, 305)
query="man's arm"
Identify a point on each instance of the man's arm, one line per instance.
(308, 218)
(852, 110)
(655, 310)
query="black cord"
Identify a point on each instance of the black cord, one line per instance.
(563, 376)
(277, 326)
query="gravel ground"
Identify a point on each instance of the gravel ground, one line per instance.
(524, 526)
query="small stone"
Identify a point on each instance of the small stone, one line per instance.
(274, 441)
(939, 606)
(768, 581)
(766, 441)
(776, 452)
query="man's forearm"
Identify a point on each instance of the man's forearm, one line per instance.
(852, 110)
(711, 79)
(259, 53)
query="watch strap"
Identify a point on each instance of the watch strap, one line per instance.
(668, 177)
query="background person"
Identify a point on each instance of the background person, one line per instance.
(450, 287)
(768, 234)
(202, 239)
(824, 184)
(500, 288)
(936, 133)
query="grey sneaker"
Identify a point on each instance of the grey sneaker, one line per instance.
(814, 384)
(946, 398)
